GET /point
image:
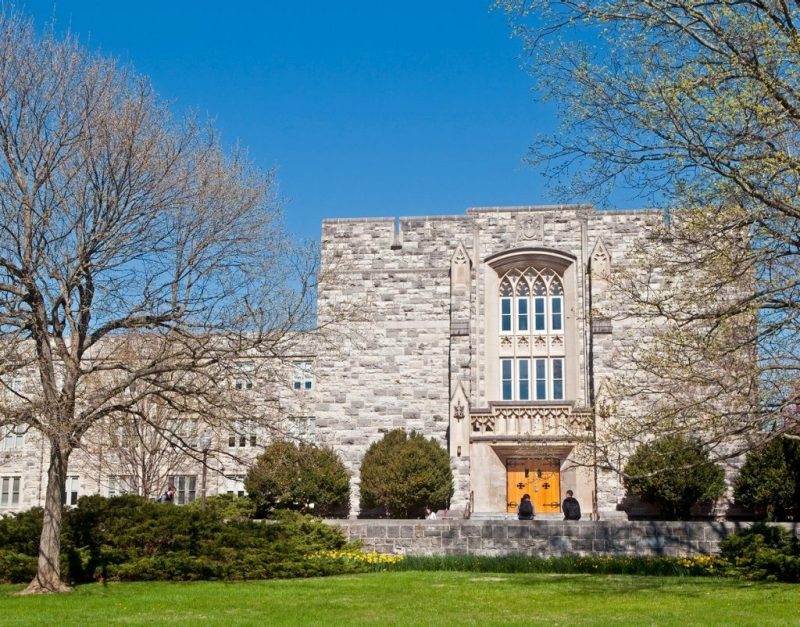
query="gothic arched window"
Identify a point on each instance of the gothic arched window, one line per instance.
(531, 310)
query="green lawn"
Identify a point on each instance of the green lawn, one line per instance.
(403, 598)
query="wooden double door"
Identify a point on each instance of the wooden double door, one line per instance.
(539, 478)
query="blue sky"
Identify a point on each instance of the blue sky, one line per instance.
(365, 108)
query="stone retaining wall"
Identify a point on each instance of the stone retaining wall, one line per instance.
(542, 538)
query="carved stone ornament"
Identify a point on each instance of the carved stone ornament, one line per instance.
(458, 411)
(530, 227)
(600, 261)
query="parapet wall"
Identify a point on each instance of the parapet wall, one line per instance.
(543, 538)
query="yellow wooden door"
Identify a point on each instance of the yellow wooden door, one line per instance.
(539, 478)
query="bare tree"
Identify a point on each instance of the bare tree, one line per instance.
(696, 106)
(138, 261)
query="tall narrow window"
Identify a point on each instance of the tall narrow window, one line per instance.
(506, 293)
(558, 379)
(539, 305)
(556, 306)
(541, 379)
(71, 493)
(523, 300)
(507, 366)
(524, 393)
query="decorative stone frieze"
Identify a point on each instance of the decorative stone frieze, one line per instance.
(530, 421)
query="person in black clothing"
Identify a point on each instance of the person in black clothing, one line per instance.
(525, 509)
(571, 507)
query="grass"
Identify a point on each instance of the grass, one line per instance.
(417, 598)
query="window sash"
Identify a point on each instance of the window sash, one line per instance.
(302, 377)
(9, 491)
(556, 313)
(541, 379)
(523, 387)
(505, 314)
(539, 314)
(507, 376)
(558, 379)
(185, 488)
(71, 491)
(522, 314)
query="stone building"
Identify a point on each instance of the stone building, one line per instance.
(478, 330)
(482, 331)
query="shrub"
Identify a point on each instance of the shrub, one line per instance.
(402, 474)
(764, 552)
(20, 532)
(16, 567)
(227, 507)
(769, 481)
(675, 473)
(298, 477)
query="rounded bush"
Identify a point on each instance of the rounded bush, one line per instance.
(298, 477)
(402, 474)
(674, 473)
(769, 482)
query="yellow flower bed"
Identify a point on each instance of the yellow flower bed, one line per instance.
(358, 557)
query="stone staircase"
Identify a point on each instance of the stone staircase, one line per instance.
(481, 516)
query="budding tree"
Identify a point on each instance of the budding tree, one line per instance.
(696, 105)
(138, 261)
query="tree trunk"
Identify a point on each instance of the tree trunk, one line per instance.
(48, 574)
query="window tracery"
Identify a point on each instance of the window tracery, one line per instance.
(531, 311)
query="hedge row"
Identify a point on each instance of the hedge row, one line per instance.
(130, 538)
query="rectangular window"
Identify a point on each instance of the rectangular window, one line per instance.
(524, 388)
(185, 488)
(71, 493)
(9, 491)
(539, 315)
(522, 314)
(558, 379)
(121, 484)
(541, 379)
(244, 434)
(556, 314)
(507, 369)
(302, 378)
(234, 484)
(13, 439)
(244, 376)
(505, 315)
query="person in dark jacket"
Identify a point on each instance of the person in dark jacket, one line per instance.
(571, 507)
(168, 496)
(525, 509)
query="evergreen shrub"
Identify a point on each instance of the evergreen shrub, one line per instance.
(764, 552)
(403, 473)
(674, 473)
(298, 477)
(769, 482)
(131, 538)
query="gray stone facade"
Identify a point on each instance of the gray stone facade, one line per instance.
(427, 353)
